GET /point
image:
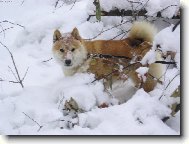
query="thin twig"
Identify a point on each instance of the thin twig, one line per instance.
(3, 80)
(22, 2)
(6, 21)
(56, 3)
(171, 81)
(15, 67)
(164, 73)
(178, 23)
(117, 35)
(167, 7)
(122, 33)
(40, 127)
(25, 74)
(3, 30)
(169, 84)
(167, 22)
(47, 60)
(13, 73)
(6, 30)
(134, 2)
(61, 101)
(73, 4)
(13, 81)
(144, 5)
(6, 1)
(108, 30)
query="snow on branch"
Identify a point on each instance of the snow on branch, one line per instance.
(135, 9)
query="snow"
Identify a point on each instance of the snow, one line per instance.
(141, 72)
(46, 90)
(174, 122)
(167, 33)
(152, 7)
(169, 41)
(149, 58)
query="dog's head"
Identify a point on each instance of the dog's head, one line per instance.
(68, 49)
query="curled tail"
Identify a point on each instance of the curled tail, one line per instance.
(143, 30)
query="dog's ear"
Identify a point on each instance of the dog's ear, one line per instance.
(57, 35)
(75, 34)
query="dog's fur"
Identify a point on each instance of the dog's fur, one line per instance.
(71, 51)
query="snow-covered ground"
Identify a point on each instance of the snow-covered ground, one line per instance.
(37, 109)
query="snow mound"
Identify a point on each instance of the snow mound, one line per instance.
(43, 104)
(141, 115)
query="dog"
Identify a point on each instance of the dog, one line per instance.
(75, 54)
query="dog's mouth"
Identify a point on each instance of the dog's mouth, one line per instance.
(68, 65)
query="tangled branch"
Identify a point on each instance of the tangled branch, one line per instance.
(109, 29)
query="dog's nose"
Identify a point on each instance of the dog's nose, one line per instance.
(68, 62)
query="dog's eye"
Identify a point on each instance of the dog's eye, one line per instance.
(73, 49)
(62, 50)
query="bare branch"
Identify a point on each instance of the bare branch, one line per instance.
(47, 60)
(3, 80)
(2, 30)
(25, 74)
(22, 2)
(172, 80)
(13, 73)
(134, 2)
(61, 101)
(56, 3)
(73, 4)
(108, 29)
(15, 67)
(5, 30)
(175, 26)
(6, 1)
(6, 21)
(169, 84)
(167, 22)
(118, 35)
(167, 7)
(145, 4)
(40, 127)
(13, 81)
